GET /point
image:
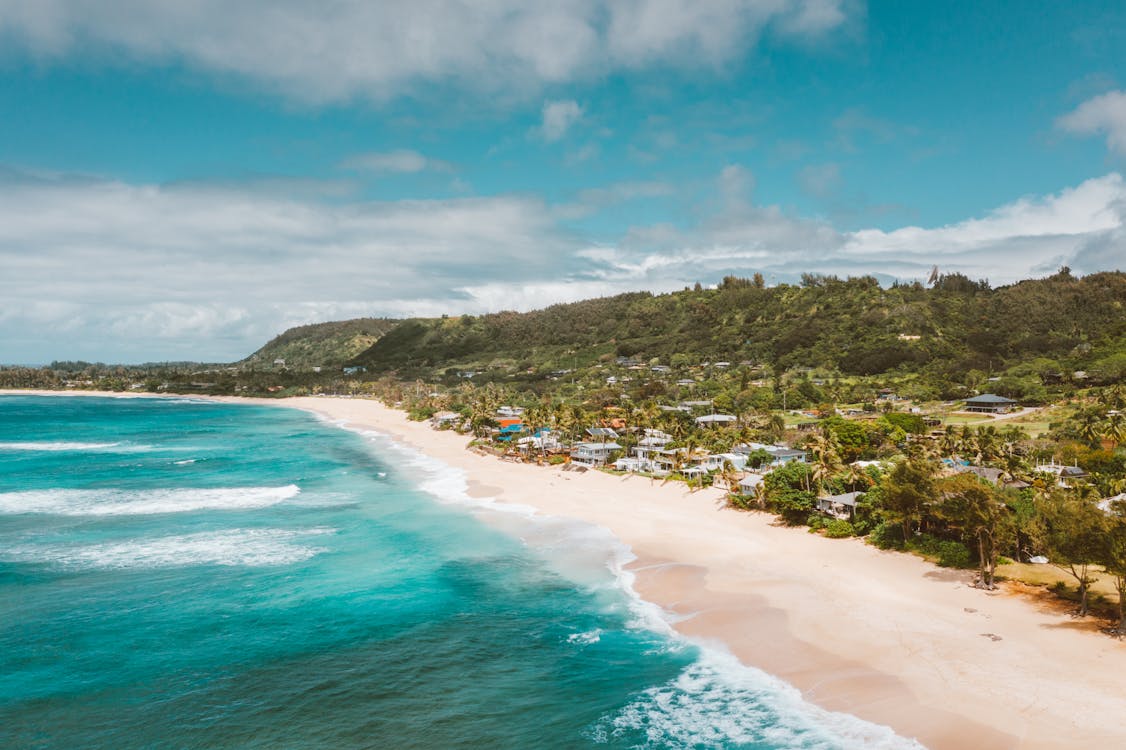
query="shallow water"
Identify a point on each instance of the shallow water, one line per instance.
(191, 574)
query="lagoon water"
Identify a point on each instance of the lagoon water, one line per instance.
(178, 573)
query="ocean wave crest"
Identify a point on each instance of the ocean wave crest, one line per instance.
(118, 502)
(719, 702)
(52, 446)
(231, 547)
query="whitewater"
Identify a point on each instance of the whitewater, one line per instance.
(257, 578)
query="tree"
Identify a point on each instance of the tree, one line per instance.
(1075, 537)
(826, 461)
(787, 494)
(976, 507)
(729, 478)
(1114, 560)
(907, 490)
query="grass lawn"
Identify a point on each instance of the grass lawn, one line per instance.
(1046, 575)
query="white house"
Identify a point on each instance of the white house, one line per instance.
(839, 506)
(715, 420)
(593, 454)
(779, 454)
(750, 483)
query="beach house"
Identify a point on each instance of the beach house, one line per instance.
(593, 454)
(839, 506)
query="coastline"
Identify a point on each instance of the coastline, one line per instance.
(883, 636)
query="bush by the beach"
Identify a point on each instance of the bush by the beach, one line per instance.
(838, 528)
(887, 535)
(948, 553)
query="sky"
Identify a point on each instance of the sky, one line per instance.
(183, 181)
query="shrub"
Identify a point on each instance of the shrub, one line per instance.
(816, 522)
(953, 555)
(556, 460)
(838, 528)
(887, 535)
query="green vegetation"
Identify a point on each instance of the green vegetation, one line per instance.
(952, 336)
(325, 345)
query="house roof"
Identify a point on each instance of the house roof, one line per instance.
(601, 432)
(848, 498)
(990, 398)
(599, 446)
(985, 472)
(716, 418)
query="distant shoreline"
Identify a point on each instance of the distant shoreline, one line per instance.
(883, 636)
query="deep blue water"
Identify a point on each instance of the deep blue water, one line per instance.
(185, 574)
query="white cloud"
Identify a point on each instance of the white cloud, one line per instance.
(117, 271)
(1105, 113)
(377, 50)
(403, 161)
(558, 117)
(214, 270)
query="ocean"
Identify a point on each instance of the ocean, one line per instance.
(176, 573)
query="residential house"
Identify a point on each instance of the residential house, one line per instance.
(839, 506)
(779, 454)
(593, 454)
(716, 420)
(749, 484)
(442, 419)
(989, 403)
(1066, 476)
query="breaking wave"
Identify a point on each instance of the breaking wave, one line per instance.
(118, 502)
(232, 547)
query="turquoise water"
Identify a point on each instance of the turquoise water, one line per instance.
(177, 573)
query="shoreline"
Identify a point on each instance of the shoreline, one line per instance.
(886, 637)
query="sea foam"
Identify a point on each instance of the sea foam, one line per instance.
(716, 701)
(230, 547)
(119, 502)
(73, 446)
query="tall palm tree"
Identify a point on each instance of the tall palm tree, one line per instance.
(1114, 428)
(1089, 428)
(826, 459)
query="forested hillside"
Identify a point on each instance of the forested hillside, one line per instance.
(322, 344)
(1054, 325)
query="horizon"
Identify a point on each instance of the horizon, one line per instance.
(177, 184)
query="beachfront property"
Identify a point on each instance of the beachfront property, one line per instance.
(989, 403)
(543, 441)
(716, 461)
(593, 454)
(443, 419)
(839, 506)
(780, 455)
(750, 484)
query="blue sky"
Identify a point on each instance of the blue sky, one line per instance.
(182, 182)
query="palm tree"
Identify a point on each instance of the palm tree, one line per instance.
(1114, 429)
(1089, 430)
(729, 478)
(858, 477)
(826, 459)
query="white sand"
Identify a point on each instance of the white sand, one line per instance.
(884, 636)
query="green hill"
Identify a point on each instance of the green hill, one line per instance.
(327, 345)
(854, 327)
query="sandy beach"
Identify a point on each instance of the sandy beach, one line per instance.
(880, 635)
